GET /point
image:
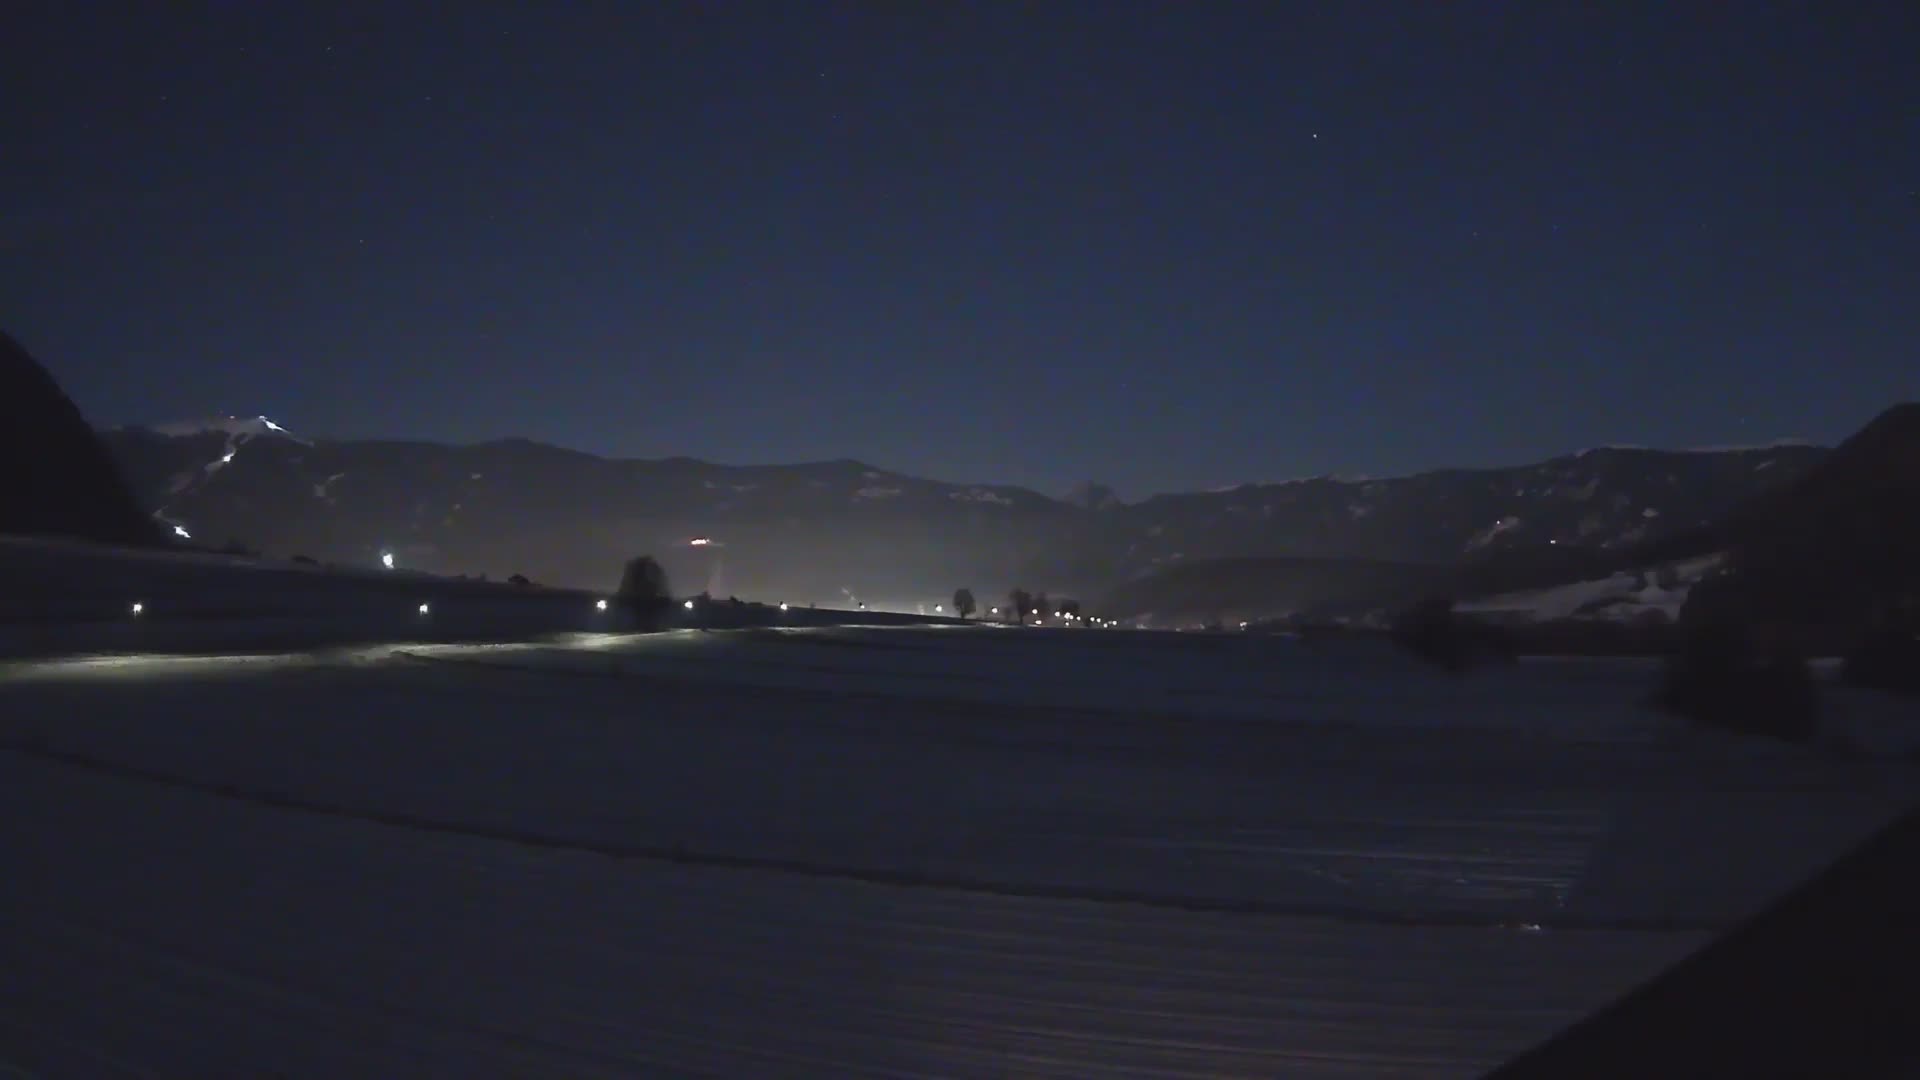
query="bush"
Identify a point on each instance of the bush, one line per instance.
(1887, 659)
(1430, 632)
(643, 593)
(306, 560)
(519, 580)
(1721, 679)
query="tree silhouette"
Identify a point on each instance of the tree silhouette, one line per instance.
(1070, 607)
(643, 593)
(963, 602)
(1020, 600)
(1040, 605)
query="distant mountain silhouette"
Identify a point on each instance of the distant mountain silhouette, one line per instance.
(58, 477)
(824, 530)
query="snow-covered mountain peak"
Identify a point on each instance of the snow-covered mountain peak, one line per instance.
(236, 428)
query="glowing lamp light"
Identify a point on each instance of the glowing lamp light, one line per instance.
(137, 608)
(783, 605)
(386, 559)
(424, 609)
(689, 605)
(181, 532)
(938, 608)
(600, 605)
(700, 541)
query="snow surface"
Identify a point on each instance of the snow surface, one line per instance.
(962, 851)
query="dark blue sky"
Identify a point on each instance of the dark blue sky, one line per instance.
(1163, 245)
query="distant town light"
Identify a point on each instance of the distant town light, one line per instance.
(689, 605)
(600, 605)
(938, 608)
(424, 609)
(996, 611)
(228, 456)
(699, 541)
(386, 559)
(137, 607)
(783, 605)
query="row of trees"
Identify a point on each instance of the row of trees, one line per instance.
(1021, 605)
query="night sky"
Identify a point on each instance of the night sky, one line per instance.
(1166, 246)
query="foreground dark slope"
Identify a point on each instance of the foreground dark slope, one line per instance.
(1823, 983)
(60, 480)
(1838, 545)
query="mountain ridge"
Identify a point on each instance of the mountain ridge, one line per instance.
(818, 530)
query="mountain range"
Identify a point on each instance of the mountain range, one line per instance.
(829, 531)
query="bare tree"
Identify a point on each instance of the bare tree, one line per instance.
(963, 603)
(1020, 600)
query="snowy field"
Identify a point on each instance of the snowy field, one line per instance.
(64, 598)
(868, 852)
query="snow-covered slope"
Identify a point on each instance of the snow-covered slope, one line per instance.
(1645, 594)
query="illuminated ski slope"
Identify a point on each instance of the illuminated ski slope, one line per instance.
(861, 853)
